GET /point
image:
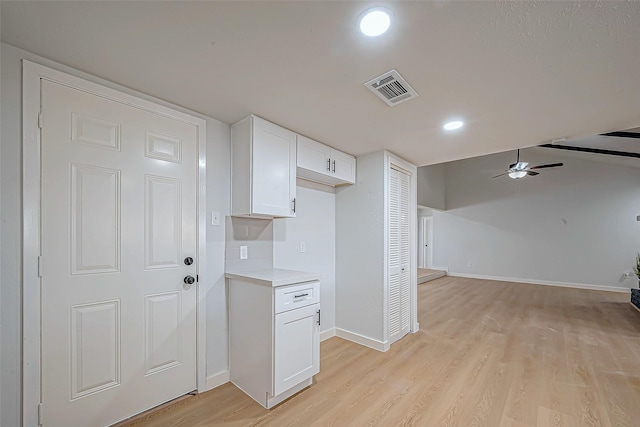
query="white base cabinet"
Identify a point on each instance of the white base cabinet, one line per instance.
(274, 338)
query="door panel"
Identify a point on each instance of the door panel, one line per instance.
(95, 348)
(297, 348)
(395, 301)
(343, 166)
(118, 216)
(274, 169)
(162, 323)
(94, 131)
(313, 155)
(405, 253)
(95, 217)
(163, 234)
(399, 250)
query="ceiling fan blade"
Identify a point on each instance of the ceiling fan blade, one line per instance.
(550, 165)
(500, 174)
(532, 173)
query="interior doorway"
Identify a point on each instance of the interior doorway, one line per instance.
(425, 240)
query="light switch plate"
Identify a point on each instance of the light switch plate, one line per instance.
(215, 218)
(244, 252)
(303, 247)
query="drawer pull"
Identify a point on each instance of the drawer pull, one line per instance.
(301, 295)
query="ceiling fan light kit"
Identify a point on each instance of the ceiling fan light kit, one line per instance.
(517, 174)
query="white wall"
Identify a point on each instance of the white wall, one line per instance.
(314, 225)
(218, 187)
(574, 225)
(432, 186)
(219, 200)
(360, 250)
(254, 233)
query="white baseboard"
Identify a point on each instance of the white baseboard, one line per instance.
(542, 282)
(217, 380)
(433, 267)
(362, 340)
(325, 335)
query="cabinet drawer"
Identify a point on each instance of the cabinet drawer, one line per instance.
(298, 295)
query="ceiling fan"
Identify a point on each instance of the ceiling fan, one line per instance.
(520, 169)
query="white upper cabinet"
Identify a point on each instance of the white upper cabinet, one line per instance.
(320, 163)
(263, 169)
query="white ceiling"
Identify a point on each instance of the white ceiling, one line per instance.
(519, 73)
(605, 142)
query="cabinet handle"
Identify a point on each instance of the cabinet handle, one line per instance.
(334, 166)
(318, 317)
(328, 165)
(294, 205)
(300, 296)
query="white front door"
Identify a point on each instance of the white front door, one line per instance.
(118, 220)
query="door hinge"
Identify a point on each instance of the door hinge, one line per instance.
(40, 119)
(40, 266)
(40, 414)
(197, 278)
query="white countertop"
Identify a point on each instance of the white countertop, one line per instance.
(273, 277)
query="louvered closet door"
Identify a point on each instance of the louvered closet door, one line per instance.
(399, 250)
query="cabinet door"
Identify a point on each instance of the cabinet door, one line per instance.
(343, 166)
(274, 170)
(313, 155)
(296, 347)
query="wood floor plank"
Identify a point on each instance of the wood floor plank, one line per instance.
(488, 354)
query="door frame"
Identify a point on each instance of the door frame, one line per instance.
(393, 161)
(32, 73)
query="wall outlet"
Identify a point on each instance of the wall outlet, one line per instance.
(244, 252)
(469, 265)
(303, 247)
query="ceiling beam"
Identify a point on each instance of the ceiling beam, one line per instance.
(620, 134)
(592, 150)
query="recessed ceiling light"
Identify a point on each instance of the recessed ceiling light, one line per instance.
(375, 21)
(456, 124)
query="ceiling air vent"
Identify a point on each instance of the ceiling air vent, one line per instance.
(391, 88)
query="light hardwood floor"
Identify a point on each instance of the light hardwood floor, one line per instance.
(487, 354)
(425, 274)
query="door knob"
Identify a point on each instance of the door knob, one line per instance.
(188, 260)
(188, 281)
